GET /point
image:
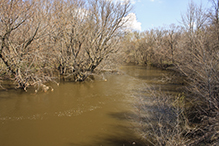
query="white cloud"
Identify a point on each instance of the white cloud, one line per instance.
(132, 22)
(152, 0)
(133, 1)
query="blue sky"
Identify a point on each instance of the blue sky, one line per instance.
(157, 13)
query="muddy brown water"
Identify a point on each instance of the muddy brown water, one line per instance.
(77, 114)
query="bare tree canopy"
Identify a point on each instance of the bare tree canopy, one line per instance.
(41, 39)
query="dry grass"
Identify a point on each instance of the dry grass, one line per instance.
(160, 118)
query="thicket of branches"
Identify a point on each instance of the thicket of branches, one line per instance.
(193, 50)
(42, 39)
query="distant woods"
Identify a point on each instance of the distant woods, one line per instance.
(42, 39)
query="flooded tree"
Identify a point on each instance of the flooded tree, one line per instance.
(90, 33)
(42, 39)
(22, 32)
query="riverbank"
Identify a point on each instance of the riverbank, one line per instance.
(182, 119)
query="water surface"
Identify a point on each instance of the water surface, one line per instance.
(76, 114)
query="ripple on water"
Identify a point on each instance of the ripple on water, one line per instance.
(66, 113)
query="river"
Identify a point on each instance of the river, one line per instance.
(77, 114)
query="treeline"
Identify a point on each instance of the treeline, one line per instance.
(42, 39)
(168, 45)
(191, 49)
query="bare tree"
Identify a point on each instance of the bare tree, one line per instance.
(92, 31)
(22, 34)
(194, 19)
(173, 38)
(214, 16)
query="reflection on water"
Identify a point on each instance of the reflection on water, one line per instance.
(75, 114)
